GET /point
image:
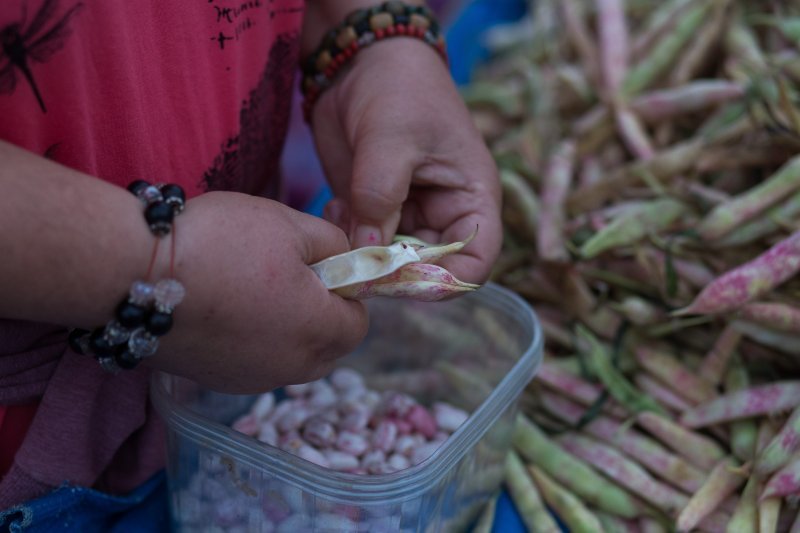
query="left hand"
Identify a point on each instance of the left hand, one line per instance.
(401, 153)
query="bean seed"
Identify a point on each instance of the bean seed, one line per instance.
(352, 443)
(263, 405)
(345, 379)
(341, 461)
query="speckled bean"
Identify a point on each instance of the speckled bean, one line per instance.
(423, 452)
(293, 419)
(281, 409)
(268, 433)
(322, 394)
(398, 462)
(352, 443)
(263, 406)
(345, 379)
(405, 444)
(356, 420)
(319, 432)
(247, 424)
(385, 524)
(309, 453)
(276, 510)
(298, 390)
(371, 399)
(374, 461)
(331, 414)
(290, 442)
(440, 436)
(341, 461)
(422, 420)
(448, 417)
(293, 524)
(351, 396)
(404, 427)
(333, 522)
(396, 404)
(293, 497)
(384, 436)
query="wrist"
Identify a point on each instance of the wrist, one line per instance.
(360, 31)
(322, 16)
(145, 313)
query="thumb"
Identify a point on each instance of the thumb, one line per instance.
(379, 186)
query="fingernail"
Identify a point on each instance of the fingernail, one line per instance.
(365, 235)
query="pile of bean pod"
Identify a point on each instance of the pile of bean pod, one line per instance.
(339, 423)
(648, 152)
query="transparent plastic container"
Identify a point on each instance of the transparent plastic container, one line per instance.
(477, 352)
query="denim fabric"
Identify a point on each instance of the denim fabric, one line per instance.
(78, 509)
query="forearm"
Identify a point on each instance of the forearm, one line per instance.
(323, 15)
(70, 244)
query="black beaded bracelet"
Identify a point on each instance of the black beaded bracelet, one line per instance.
(359, 29)
(162, 204)
(145, 314)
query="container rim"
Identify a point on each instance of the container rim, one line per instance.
(353, 488)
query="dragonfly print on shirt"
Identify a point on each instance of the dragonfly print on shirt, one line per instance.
(21, 46)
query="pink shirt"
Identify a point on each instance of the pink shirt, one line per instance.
(194, 92)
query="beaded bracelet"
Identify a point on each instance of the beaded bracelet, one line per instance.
(146, 313)
(359, 29)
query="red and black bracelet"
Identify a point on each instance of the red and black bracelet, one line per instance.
(360, 29)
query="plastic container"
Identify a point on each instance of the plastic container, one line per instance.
(477, 351)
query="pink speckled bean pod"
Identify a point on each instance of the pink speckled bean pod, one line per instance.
(760, 400)
(750, 280)
(784, 482)
(419, 281)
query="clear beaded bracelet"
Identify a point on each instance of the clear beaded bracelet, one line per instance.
(145, 314)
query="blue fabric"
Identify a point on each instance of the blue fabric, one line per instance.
(70, 508)
(506, 517)
(464, 47)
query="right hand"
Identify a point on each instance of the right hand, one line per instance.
(255, 317)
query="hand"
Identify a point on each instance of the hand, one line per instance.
(255, 317)
(401, 153)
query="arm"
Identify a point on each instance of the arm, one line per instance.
(71, 244)
(254, 317)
